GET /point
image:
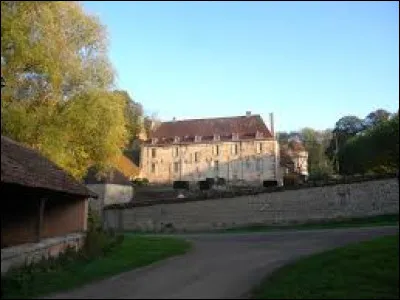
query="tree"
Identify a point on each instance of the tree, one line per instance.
(377, 150)
(349, 125)
(51, 50)
(376, 117)
(58, 98)
(315, 142)
(345, 128)
(133, 115)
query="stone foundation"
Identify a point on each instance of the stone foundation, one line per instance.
(33, 252)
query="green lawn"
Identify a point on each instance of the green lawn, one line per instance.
(367, 270)
(132, 253)
(383, 220)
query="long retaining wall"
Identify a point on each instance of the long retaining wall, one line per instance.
(361, 199)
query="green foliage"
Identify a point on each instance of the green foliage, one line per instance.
(57, 98)
(366, 270)
(131, 252)
(140, 181)
(133, 116)
(51, 51)
(376, 150)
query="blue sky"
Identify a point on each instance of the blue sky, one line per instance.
(309, 63)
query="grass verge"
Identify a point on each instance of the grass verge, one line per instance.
(383, 220)
(367, 270)
(132, 253)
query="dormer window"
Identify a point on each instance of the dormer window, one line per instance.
(197, 138)
(259, 135)
(177, 139)
(154, 141)
(217, 137)
(235, 136)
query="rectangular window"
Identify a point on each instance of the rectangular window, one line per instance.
(216, 165)
(196, 157)
(216, 150)
(259, 148)
(176, 167)
(234, 149)
(258, 165)
(153, 168)
(248, 164)
(176, 152)
(153, 153)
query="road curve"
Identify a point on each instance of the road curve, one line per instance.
(221, 266)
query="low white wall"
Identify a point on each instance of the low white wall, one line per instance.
(33, 252)
(110, 194)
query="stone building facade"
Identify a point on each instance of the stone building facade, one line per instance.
(233, 148)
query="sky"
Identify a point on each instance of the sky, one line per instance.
(310, 63)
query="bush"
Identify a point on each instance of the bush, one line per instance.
(94, 220)
(140, 182)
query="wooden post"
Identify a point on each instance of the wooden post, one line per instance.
(40, 218)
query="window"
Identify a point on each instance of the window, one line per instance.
(235, 136)
(154, 141)
(216, 150)
(153, 168)
(235, 149)
(196, 157)
(259, 148)
(258, 165)
(248, 164)
(259, 135)
(197, 138)
(176, 139)
(176, 167)
(216, 165)
(176, 152)
(153, 153)
(217, 137)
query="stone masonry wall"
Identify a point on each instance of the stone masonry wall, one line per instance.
(319, 203)
(17, 256)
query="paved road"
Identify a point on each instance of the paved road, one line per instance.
(221, 266)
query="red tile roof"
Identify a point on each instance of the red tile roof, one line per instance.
(24, 166)
(244, 126)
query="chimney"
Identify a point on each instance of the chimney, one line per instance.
(248, 113)
(271, 124)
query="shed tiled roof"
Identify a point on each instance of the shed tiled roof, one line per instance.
(27, 167)
(244, 126)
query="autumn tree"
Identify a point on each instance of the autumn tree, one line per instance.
(58, 95)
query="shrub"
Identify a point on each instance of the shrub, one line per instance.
(140, 182)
